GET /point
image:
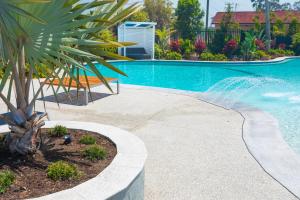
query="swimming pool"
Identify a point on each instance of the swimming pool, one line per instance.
(272, 87)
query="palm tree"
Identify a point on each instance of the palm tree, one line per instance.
(55, 37)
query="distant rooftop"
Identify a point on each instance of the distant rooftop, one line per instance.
(247, 17)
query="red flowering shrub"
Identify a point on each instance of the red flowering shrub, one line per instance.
(200, 45)
(230, 47)
(175, 45)
(260, 45)
(282, 46)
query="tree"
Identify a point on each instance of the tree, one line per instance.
(163, 39)
(296, 5)
(160, 11)
(189, 19)
(221, 36)
(55, 37)
(293, 27)
(260, 5)
(141, 16)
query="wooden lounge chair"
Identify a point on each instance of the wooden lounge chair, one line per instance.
(83, 84)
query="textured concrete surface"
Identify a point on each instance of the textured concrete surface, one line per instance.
(195, 150)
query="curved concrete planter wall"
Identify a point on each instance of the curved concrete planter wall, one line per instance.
(122, 179)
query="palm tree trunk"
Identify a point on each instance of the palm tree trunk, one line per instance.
(22, 138)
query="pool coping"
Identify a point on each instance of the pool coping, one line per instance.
(263, 139)
(275, 60)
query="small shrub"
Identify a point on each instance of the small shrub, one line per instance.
(280, 52)
(87, 139)
(6, 180)
(206, 56)
(282, 46)
(159, 54)
(94, 153)
(230, 47)
(261, 55)
(61, 170)
(200, 45)
(296, 43)
(171, 55)
(175, 45)
(260, 45)
(59, 131)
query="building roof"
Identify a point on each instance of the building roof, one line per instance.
(131, 24)
(247, 17)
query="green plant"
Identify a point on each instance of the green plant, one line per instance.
(62, 170)
(87, 139)
(280, 52)
(141, 16)
(94, 153)
(189, 18)
(160, 11)
(59, 131)
(296, 43)
(248, 46)
(207, 56)
(186, 47)
(108, 36)
(261, 55)
(294, 27)
(163, 39)
(172, 55)
(159, 54)
(59, 36)
(6, 180)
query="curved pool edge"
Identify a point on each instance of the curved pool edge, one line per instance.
(263, 139)
(275, 60)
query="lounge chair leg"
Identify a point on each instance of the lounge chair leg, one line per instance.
(118, 87)
(86, 96)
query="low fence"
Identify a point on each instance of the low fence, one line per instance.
(210, 34)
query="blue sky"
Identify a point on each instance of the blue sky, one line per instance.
(219, 5)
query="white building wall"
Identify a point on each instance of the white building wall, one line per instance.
(143, 37)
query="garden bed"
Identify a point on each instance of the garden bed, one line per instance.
(31, 179)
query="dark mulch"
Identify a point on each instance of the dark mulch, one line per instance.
(31, 178)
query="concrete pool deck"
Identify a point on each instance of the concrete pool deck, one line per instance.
(195, 149)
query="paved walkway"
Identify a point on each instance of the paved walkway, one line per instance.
(195, 149)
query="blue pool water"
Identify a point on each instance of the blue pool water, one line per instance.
(273, 87)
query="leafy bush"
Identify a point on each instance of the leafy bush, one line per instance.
(206, 56)
(200, 45)
(260, 45)
(186, 48)
(87, 139)
(282, 46)
(108, 36)
(248, 46)
(141, 16)
(230, 47)
(280, 52)
(175, 45)
(6, 180)
(296, 43)
(261, 55)
(59, 131)
(62, 170)
(159, 54)
(171, 55)
(94, 153)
